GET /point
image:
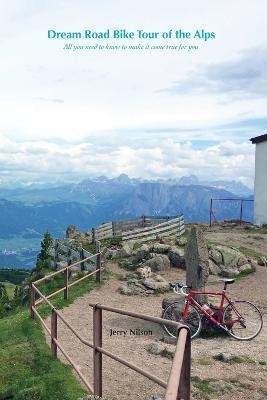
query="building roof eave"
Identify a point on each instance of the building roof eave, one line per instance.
(259, 139)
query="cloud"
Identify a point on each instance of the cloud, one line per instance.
(245, 76)
(60, 101)
(47, 162)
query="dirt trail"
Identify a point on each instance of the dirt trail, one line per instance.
(122, 383)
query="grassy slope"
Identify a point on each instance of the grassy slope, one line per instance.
(27, 369)
(10, 287)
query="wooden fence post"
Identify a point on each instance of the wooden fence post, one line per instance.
(56, 254)
(82, 258)
(179, 226)
(113, 229)
(143, 221)
(69, 257)
(98, 267)
(210, 212)
(184, 384)
(32, 298)
(93, 235)
(66, 283)
(53, 332)
(241, 212)
(97, 326)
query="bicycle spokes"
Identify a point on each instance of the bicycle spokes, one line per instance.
(244, 321)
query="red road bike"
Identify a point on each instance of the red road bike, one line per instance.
(240, 319)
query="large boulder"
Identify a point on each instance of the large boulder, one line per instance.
(144, 272)
(214, 269)
(131, 289)
(143, 253)
(229, 272)
(216, 256)
(160, 248)
(158, 263)
(128, 247)
(181, 241)
(138, 284)
(229, 261)
(177, 257)
(156, 283)
(262, 261)
(246, 268)
(231, 257)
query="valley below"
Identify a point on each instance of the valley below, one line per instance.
(28, 212)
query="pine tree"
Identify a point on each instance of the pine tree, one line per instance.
(43, 259)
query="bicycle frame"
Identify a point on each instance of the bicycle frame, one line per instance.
(219, 321)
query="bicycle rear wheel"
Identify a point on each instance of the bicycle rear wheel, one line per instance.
(174, 313)
(243, 319)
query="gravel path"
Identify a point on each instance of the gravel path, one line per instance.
(228, 380)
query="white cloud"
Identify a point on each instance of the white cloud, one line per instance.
(48, 162)
(87, 93)
(67, 115)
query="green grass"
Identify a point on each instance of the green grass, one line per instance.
(250, 252)
(233, 359)
(115, 241)
(262, 230)
(166, 353)
(15, 276)
(27, 369)
(91, 247)
(186, 233)
(256, 237)
(10, 287)
(203, 387)
(245, 273)
(75, 291)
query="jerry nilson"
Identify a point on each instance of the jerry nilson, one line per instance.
(134, 332)
(124, 34)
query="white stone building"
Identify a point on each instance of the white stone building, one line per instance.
(260, 188)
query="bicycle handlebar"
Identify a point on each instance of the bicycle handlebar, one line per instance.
(175, 287)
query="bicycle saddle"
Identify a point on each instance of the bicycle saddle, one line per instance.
(228, 281)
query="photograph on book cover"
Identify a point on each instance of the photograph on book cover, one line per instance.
(133, 150)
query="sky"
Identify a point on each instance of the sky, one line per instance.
(71, 115)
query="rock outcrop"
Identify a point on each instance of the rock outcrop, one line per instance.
(229, 261)
(143, 282)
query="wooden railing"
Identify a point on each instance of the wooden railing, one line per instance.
(62, 250)
(174, 226)
(141, 229)
(178, 385)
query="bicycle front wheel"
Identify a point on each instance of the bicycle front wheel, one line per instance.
(243, 320)
(174, 313)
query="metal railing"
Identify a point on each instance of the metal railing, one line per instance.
(178, 385)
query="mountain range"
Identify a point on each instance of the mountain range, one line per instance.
(29, 211)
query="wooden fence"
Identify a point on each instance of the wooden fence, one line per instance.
(65, 253)
(173, 226)
(178, 386)
(142, 229)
